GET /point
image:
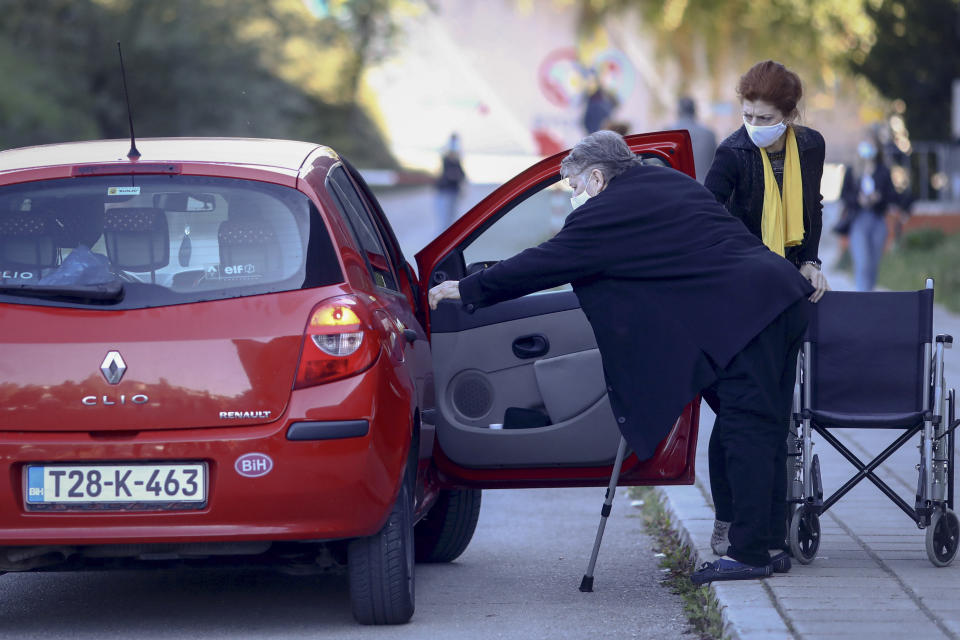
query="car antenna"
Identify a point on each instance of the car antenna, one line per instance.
(133, 154)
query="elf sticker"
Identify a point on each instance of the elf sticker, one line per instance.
(123, 191)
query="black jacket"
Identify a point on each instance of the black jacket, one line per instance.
(670, 282)
(736, 180)
(883, 184)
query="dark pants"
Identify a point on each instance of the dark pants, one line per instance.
(752, 398)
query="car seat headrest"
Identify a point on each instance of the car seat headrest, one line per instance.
(137, 238)
(28, 240)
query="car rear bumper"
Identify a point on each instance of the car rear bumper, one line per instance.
(327, 484)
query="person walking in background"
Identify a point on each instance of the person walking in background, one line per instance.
(767, 173)
(600, 104)
(449, 183)
(867, 194)
(701, 137)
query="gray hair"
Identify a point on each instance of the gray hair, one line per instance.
(603, 150)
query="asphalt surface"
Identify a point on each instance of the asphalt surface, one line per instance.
(519, 578)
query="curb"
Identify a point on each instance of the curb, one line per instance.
(748, 607)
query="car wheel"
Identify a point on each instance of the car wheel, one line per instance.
(380, 567)
(448, 527)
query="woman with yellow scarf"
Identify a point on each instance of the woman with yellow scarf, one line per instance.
(767, 174)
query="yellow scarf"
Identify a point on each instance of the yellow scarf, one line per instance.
(782, 221)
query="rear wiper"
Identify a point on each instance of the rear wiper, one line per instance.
(108, 291)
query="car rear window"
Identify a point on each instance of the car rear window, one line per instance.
(145, 241)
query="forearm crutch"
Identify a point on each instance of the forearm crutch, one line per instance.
(586, 585)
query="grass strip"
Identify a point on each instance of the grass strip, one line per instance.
(699, 603)
(922, 254)
(916, 256)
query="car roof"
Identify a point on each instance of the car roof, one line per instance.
(287, 155)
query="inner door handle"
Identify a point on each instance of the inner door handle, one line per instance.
(531, 346)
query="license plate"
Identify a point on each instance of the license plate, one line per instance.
(115, 486)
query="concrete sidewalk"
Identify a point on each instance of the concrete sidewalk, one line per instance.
(871, 577)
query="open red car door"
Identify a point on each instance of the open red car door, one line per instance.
(520, 394)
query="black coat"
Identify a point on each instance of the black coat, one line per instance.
(883, 184)
(736, 180)
(671, 283)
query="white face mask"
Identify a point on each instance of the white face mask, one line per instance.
(579, 199)
(583, 196)
(765, 136)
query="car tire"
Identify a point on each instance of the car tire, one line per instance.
(380, 567)
(446, 530)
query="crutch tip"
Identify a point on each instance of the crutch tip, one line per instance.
(586, 585)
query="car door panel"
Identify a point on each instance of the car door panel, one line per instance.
(571, 383)
(479, 376)
(536, 353)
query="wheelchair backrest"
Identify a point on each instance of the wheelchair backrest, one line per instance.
(867, 351)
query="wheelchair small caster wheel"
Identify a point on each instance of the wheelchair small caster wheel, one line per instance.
(804, 535)
(943, 536)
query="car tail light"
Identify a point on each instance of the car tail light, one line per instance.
(339, 341)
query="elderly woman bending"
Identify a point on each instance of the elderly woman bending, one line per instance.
(682, 300)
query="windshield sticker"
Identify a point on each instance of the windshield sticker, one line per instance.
(123, 191)
(239, 270)
(213, 272)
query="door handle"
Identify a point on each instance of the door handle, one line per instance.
(531, 346)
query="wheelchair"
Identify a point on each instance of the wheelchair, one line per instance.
(870, 360)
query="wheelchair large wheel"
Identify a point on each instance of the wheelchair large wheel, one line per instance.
(943, 536)
(804, 534)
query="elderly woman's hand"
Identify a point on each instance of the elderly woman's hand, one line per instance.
(446, 289)
(817, 279)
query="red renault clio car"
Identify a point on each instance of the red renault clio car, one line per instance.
(216, 349)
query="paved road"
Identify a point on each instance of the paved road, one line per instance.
(412, 213)
(518, 579)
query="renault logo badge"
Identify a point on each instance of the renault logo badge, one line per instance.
(113, 367)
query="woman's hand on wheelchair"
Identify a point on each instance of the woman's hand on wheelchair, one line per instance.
(817, 279)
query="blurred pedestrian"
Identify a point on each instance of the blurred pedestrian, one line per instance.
(702, 138)
(449, 183)
(767, 173)
(682, 300)
(867, 193)
(600, 104)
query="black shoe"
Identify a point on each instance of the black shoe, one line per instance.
(724, 569)
(781, 562)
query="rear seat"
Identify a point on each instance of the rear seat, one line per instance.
(137, 239)
(28, 245)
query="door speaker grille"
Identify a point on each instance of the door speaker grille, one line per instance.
(472, 395)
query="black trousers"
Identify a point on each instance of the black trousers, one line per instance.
(752, 398)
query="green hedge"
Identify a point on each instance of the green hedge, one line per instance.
(921, 254)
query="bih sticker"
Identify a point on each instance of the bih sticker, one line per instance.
(123, 191)
(253, 465)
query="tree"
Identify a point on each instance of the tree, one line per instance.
(194, 67)
(708, 39)
(915, 57)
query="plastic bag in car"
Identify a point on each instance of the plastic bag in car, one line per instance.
(81, 267)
